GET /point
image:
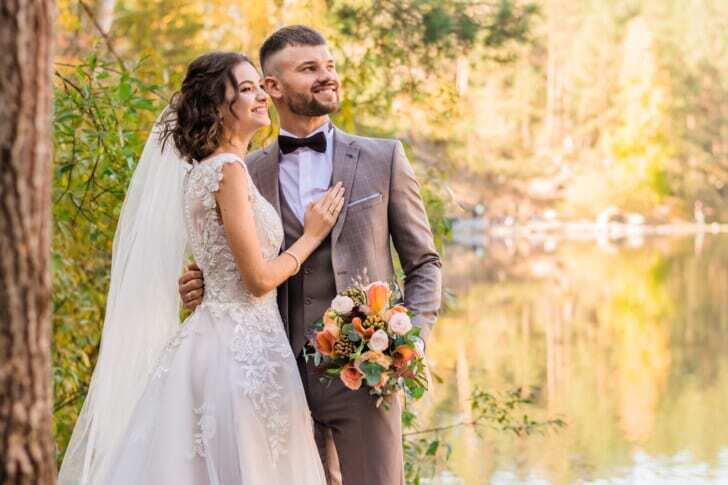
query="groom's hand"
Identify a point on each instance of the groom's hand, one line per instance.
(191, 287)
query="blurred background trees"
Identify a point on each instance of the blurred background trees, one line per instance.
(613, 103)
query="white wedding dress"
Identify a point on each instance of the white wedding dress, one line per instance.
(225, 404)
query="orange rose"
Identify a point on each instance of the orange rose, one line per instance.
(378, 296)
(364, 332)
(351, 376)
(395, 309)
(329, 316)
(331, 323)
(402, 356)
(384, 361)
(325, 342)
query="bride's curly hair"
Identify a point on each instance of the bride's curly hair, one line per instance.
(192, 120)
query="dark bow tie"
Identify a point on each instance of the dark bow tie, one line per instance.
(316, 142)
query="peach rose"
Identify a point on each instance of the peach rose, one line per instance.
(377, 357)
(378, 296)
(334, 330)
(379, 341)
(351, 376)
(329, 316)
(325, 342)
(393, 311)
(331, 323)
(402, 356)
(364, 332)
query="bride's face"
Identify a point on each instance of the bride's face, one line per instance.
(249, 111)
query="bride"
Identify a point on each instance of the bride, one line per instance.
(219, 399)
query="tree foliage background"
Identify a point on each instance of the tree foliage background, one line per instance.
(519, 104)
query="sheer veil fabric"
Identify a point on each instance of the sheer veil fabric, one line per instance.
(148, 252)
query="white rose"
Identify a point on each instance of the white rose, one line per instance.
(379, 341)
(343, 305)
(400, 323)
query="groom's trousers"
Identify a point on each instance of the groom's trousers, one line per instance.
(359, 443)
(350, 429)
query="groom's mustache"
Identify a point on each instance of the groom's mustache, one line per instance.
(323, 85)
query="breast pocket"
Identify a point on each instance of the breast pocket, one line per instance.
(365, 202)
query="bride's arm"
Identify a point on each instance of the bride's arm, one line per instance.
(261, 276)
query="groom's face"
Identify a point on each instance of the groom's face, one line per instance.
(304, 79)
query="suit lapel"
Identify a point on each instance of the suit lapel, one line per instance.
(346, 158)
(267, 175)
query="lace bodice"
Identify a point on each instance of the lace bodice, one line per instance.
(258, 344)
(224, 287)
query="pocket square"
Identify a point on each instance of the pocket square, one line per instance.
(365, 199)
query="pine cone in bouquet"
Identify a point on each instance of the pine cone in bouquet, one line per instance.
(344, 347)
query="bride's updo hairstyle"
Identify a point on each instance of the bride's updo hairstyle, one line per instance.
(193, 120)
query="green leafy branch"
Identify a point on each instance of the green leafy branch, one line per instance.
(426, 451)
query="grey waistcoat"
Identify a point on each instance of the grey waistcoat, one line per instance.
(311, 290)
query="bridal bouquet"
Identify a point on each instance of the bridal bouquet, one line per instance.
(365, 338)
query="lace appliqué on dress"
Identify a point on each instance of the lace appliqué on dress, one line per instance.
(165, 358)
(207, 428)
(258, 379)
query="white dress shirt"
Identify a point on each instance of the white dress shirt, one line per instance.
(305, 174)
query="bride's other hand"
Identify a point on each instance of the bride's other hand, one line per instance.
(191, 287)
(321, 216)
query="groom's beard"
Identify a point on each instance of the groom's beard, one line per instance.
(307, 105)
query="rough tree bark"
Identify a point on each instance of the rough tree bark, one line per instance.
(27, 454)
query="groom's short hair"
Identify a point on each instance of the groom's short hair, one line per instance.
(292, 35)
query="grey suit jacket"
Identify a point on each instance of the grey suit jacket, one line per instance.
(382, 203)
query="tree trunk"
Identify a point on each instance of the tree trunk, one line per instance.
(27, 454)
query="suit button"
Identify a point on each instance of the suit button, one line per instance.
(308, 301)
(307, 271)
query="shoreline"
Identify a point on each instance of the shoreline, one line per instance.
(470, 231)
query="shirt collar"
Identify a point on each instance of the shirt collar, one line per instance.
(327, 128)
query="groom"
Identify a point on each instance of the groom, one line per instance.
(358, 442)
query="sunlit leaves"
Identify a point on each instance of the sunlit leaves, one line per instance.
(101, 118)
(407, 49)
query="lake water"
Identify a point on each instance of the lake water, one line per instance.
(628, 343)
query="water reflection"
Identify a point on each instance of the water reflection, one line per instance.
(628, 344)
